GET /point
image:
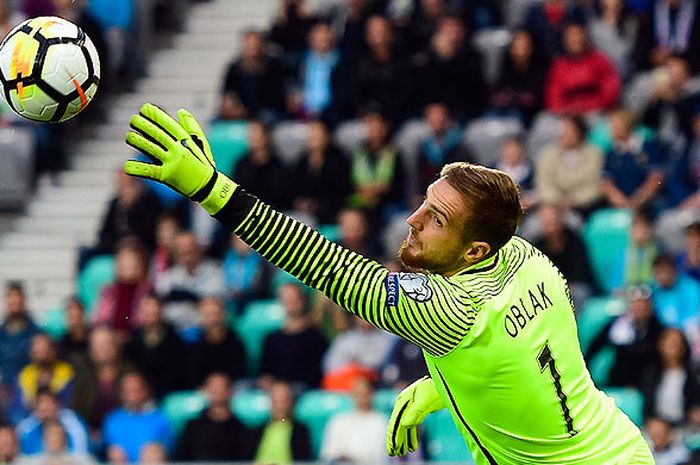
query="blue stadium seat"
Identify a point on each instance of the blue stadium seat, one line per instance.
(595, 314)
(53, 322)
(252, 407)
(183, 406)
(630, 401)
(315, 408)
(444, 443)
(229, 142)
(384, 400)
(606, 237)
(260, 318)
(98, 272)
(330, 231)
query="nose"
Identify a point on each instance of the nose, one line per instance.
(414, 220)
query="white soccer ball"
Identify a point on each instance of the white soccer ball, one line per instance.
(49, 69)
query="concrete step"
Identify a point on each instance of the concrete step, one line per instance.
(33, 272)
(88, 178)
(93, 194)
(77, 208)
(51, 225)
(50, 256)
(34, 240)
(177, 85)
(227, 43)
(100, 162)
(208, 25)
(231, 8)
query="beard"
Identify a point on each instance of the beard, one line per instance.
(415, 260)
(411, 261)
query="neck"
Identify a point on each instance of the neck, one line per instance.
(215, 333)
(219, 412)
(295, 324)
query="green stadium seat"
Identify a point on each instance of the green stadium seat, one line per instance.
(630, 401)
(280, 278)
(315, 408)
(260, 318)
(183, 406)
(444, 443)
(606, 237)
(53, 323)
(330, 231)
(600, 366)
(595, 314)
(98, 272)
(384, 400)
(252, 407)
(229, 142)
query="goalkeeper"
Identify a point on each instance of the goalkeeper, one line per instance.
(491, 313)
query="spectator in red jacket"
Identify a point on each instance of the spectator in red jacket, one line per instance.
(582, 79)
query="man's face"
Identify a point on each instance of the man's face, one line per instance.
(187, 250)
(14, 302)
(9, 448)
(134, 392)
(665, 275)
(41, 350)
(46, 408)
(575, 39)
(212, 313)
(150, 311)
(218, 390)
(435, 240)
(281, 403)
(292, 299)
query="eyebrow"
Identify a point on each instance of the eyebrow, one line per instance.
(438, 211)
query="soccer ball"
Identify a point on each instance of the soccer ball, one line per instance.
(49, 69)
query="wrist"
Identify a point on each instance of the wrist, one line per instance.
(220, 194)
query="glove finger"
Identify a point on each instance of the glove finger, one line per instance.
(143, 170)
(190, 124)
(396, 442)
(142, 144)
(161, 118)
(412, 439)
(152, 131)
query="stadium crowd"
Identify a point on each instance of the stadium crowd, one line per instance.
(341, 115)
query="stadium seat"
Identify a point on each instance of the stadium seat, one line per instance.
(491, 44)
(251, 406)
(484, 137)
(384, 400)
(545, 131)
(444, 443)
(349, 135)
(606, 237)
(330, 231)
(315, 408)
(98, 272)
(229, 142)
(53, 322)
(289, 139)
(260, 318)
(630, 401)
(183, 406)
(595, 314)
(16, 166)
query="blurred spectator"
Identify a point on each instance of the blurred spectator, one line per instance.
(641, 250)
(670, 387)
(513, 161)
(633, 336)
(115, 19)
(567, 251)
(569, 173)
(614, 30)
(218, 350)
(216, 435)
(246, 275)
(378, 76)
(519, 85)
(192, 278)
(163, 258)
(55, 448)
(33, 8)
(44, 371)
(404, 365)
(449, 71)
(47, 409)
(9, 445)
(291, 27)
(73, 346)
(282, 440)
(95, 392)
(684, 178)
(689, 260)
(423, 22)
(9, 17)
(666, 448)
(676, 295)
(633, 167)
(547, 20)
(137, 423)
(118, 303)
(155, 348)
(254, 79)
(261, 172)
(356, 436)
(153, 453)
(442, 145)
(349, 19)
(294, 353)
(354, 234)
(16, 333)
(582, 79)
(132, 212)
(359, 351)
(672, 28)
(321, 176)
(376, 169)
(314, 92)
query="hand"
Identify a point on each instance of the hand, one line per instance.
(410, 409)
(181, 157)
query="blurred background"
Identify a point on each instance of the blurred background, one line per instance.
(135, 329)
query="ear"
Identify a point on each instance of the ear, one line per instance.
(476, 252)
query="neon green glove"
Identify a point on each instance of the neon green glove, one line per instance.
(181, 156)
(410, 409)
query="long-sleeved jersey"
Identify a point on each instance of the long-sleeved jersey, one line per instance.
(499, 338)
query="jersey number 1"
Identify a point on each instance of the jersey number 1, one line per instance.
(546, 360)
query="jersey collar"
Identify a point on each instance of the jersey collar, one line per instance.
(482, 266)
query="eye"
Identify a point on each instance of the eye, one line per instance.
(437, 220)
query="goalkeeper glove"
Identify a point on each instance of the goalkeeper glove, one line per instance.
(410, 409)
(181, 156)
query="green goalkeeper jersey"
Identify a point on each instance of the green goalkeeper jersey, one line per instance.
(499, 337)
